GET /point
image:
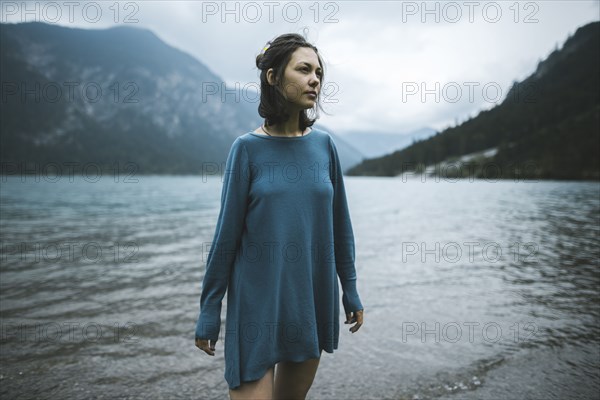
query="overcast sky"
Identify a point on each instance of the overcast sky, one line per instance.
(381, 57)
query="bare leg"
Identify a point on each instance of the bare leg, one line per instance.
(294, 379)
(261, 389)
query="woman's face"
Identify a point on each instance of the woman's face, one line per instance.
(301, 76)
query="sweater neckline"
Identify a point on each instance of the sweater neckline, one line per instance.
(282, 137)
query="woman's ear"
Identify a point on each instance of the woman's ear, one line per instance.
(271, 76)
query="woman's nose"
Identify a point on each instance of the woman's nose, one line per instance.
(315, 81)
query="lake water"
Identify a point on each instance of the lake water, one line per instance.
(472, 290)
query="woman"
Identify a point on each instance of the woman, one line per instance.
(283, 236)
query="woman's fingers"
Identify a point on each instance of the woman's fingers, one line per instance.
(348, 318)
(357, 317)
(202, 344)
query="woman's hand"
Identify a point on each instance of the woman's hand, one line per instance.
(356, 316)
(202, 344)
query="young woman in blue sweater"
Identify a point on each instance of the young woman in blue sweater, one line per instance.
(298, 293)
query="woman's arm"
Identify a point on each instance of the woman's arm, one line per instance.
(230, 224)
(343, 236)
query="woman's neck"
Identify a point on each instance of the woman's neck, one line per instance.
(286, 128)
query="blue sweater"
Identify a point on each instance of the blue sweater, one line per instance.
(283, 236)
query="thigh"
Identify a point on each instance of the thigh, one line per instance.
(294, 379)
(261, 389)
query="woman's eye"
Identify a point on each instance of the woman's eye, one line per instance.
(319, 74)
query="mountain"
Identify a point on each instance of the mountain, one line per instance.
(113, 97)
(122, 97)
(349, 155)
(547, 127)
(376, 144)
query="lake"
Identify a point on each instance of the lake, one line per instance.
(472, 289)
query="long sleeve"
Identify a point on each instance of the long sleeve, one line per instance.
(344, 249)
(230, 224)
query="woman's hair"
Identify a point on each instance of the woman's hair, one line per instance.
(273, 106)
